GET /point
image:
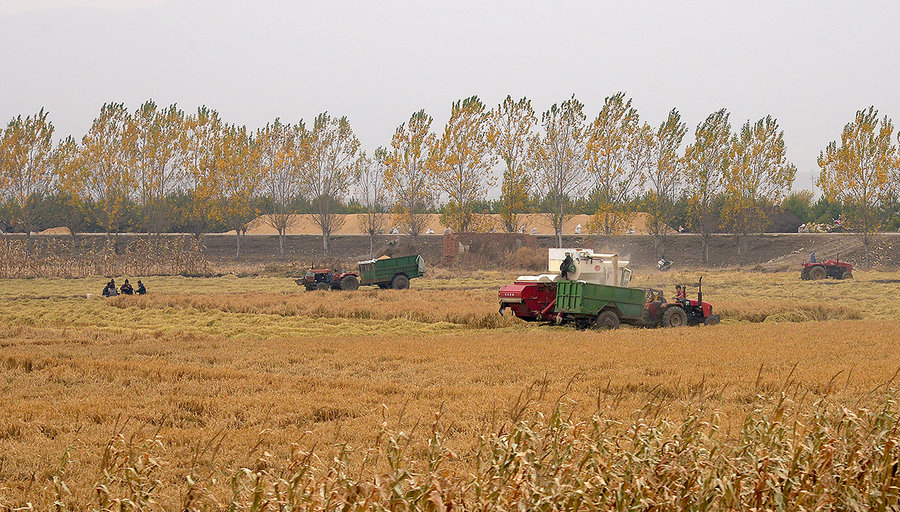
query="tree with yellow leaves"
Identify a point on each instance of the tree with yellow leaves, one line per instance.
(406, 173)
(106, 155)
(70, 187)
(618, 155)
(706, 160)
(557, 157)
(328, 162)
(461, 162)
(664, 177)
(237, 169)
(201, 136)
(859, 172)
(278, 145)
(512, 126)
(756, 180)
(26, 148)
(154, 136)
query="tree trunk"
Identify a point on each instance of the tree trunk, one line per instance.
(74, 236)
(704, 248)
(237, 252)
(281, 243)
(371, 245)
(325, 236)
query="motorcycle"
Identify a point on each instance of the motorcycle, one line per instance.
(663, 265)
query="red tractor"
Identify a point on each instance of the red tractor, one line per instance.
(328, 279)
(680, 312)
(835, 269)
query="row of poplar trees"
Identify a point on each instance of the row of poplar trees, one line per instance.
(732, 178)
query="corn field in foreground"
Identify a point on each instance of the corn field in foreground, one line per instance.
(824, 456)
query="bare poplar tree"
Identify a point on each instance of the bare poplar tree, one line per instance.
(327, 163)
(557, 157)
(372, 195)
(281, 180)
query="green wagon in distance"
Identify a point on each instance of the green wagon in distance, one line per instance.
(599, 305)
(391, 272)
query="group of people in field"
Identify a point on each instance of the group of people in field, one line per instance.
(111, 291)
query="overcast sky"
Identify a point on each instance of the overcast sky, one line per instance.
(809, 64)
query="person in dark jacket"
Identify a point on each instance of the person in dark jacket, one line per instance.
(567, 266)
(140, 289)
(126, 288)
(110, 290)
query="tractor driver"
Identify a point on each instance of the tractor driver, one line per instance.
(679, 293)
(567, 266)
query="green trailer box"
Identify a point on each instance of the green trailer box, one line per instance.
(584, 301)
(391, 272)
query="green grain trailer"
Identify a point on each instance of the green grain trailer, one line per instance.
(599, 305)
(391, 272)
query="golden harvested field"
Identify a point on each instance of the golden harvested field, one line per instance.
(212, 391)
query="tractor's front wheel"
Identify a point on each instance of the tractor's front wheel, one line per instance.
(349, 283)
(323, 286)
(847, 275)
(674, 317)
(804, 274)
(607, 320)
(400, 282)
(712, 320)
(817, 273)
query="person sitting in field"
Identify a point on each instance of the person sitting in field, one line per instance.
(126, 288)
(110, 290)
(140, 289)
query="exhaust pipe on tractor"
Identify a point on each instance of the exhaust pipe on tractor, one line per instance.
(700, 290)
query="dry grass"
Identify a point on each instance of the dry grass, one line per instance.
(222, 393)
(147, 256)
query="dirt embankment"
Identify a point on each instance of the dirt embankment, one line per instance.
(771, 251)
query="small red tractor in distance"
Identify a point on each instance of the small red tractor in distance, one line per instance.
(835, 269)
(682, 311)
(328, 279)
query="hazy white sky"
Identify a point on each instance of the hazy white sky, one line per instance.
(809, 64)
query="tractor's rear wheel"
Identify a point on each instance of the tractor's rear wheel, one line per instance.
(322, 286)
(712, 320)
(349, 283)
(649, 320)
(847, 275)
(817, 273)
(674, 317)
(400, 282)
(607, 320)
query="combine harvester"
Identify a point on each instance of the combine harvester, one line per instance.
(533, 298)
(597, 294)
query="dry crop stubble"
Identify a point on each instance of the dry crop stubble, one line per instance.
(266, 370)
